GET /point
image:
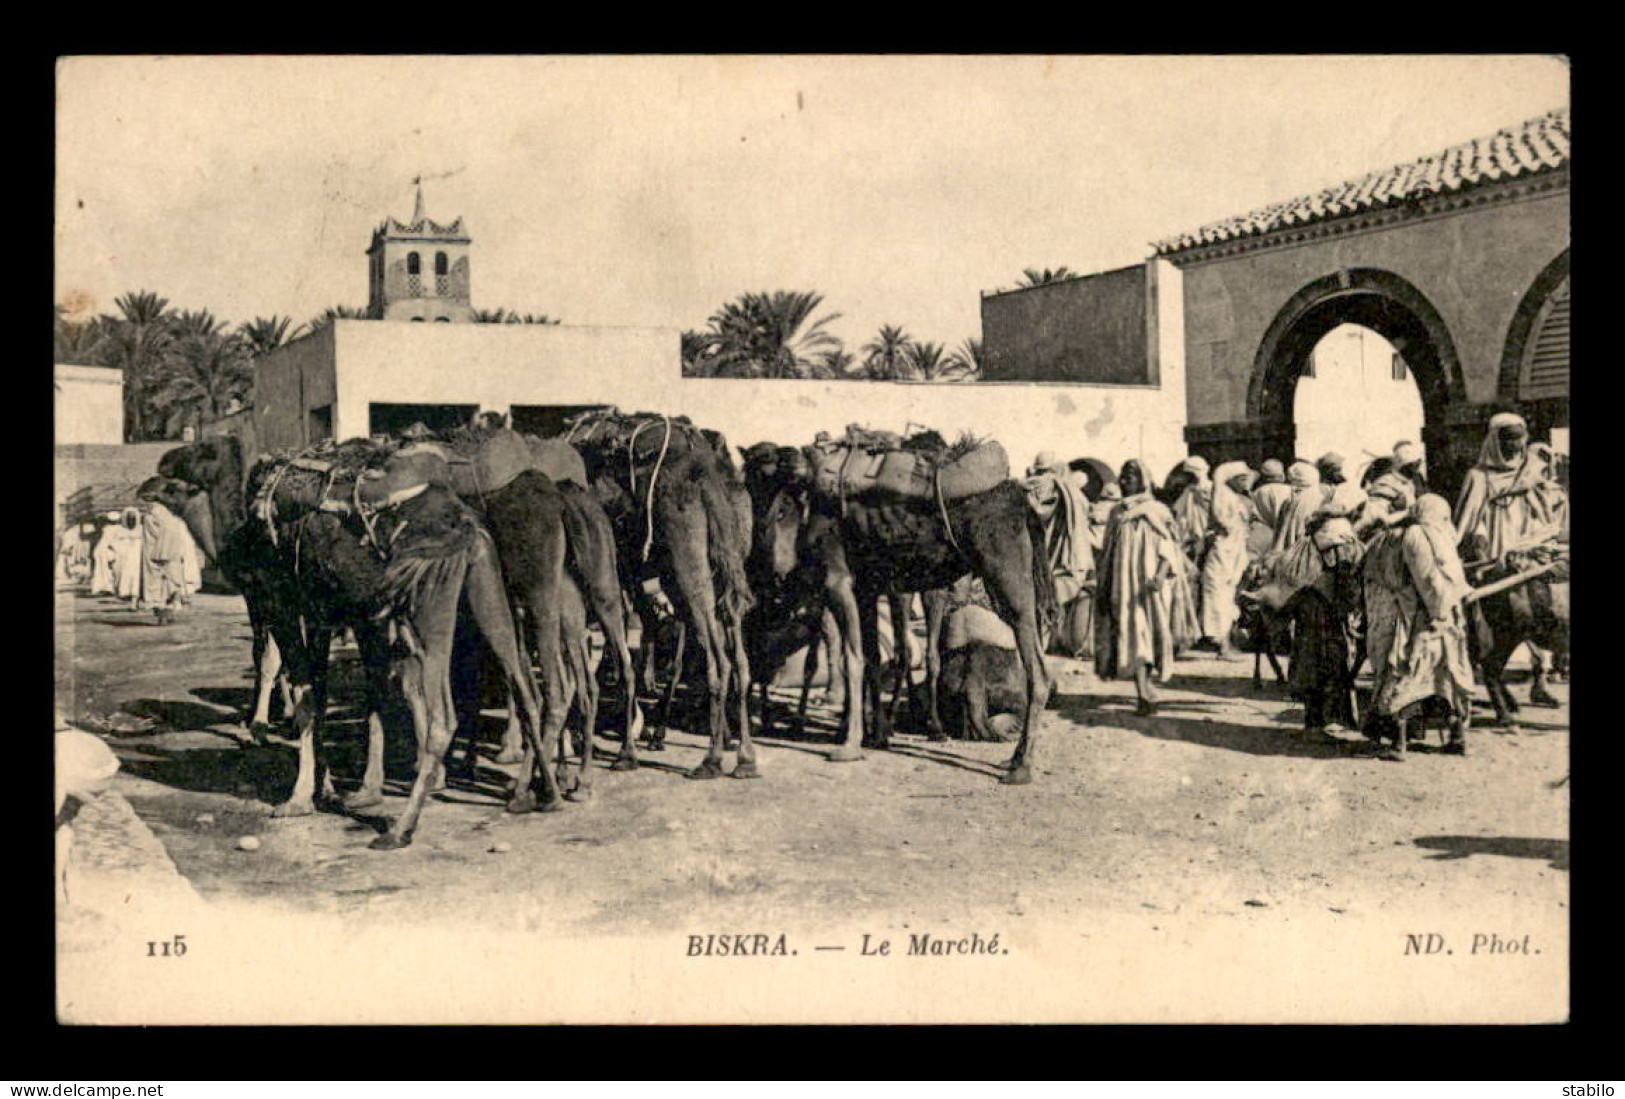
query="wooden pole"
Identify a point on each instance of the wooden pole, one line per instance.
(1508, 582)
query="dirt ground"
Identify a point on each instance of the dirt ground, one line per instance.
(1210, 812)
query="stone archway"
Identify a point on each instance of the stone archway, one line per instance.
(1535, 362)
(1393, 308)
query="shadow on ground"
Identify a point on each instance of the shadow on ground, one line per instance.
(1169, 724)
(1554, 852)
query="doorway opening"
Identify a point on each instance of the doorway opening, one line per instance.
(392, 419)
(1356, 397)
(546, 420)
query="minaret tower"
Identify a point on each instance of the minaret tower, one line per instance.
(419, 271)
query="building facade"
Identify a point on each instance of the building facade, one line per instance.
(1459, 260)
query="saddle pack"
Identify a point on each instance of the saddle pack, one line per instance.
(879, 462)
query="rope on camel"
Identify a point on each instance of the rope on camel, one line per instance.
(654, 474)
(942, 508)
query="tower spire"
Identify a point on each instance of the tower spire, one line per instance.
(417, 206)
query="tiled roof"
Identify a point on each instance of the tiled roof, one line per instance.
(1538, 145)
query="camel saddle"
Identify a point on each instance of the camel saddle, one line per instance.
(879, 462)
(492, 466)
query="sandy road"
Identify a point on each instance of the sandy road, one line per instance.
(1206, 815)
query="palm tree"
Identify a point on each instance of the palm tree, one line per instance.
(884, 356)
(199, 322)
(835, 362)
(77, 343)
(136, 341)
(334, 313)
(966, 360)
(205, 373)
(508, 316)
(265, 334)
(769, 335)
(1035, 277)
(699, 351)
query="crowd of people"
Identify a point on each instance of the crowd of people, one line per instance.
(1372, 570)
(142, 555)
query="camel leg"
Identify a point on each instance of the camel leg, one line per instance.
(876, 733)
(309, 702)
(643, 605)
(586, 687)
(554, 709)
(691, 575)
(745, 766)
(903, 680)
(267, 667)
(844, 603)
(809, 671)
(488, 605)
(936, 615)
(375, 660)
(765, 709)
(1493, 666)
(1275, 665)
(1009, 578)
(1539, 694)
(426, 679)
(605, 600)
(829, 629)
(1258, 669)
(658, 742)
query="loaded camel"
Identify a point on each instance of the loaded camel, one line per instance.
(326, 558)
(558, 557)
(680, 514)
(871, 543)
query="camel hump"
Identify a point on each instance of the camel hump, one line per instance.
(560, 461)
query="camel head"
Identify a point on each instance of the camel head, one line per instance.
(212, 470)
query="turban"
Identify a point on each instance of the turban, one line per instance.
(1491, 456)
(1329, 463)
(1406, 454)
(1195, 464)
(1433, 510)
(1303, 475)
(1271, 472)
(1391, 486)
(1046, 460)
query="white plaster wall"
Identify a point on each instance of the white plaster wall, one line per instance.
(89, 405)
(1353, 405)
(1112, 423)
(638, 369)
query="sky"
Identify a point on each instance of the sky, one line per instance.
(635, 191)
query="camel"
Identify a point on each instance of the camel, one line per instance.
(792, 611)
(558, 557)
(323, 569)
(870, 545)
(215, 518)
(680, 514)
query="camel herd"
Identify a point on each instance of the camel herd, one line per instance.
(482, 545)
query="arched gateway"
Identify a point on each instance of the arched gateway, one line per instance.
(1374, 299)
(1460, 260)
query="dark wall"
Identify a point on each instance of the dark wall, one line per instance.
(1081, 330)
